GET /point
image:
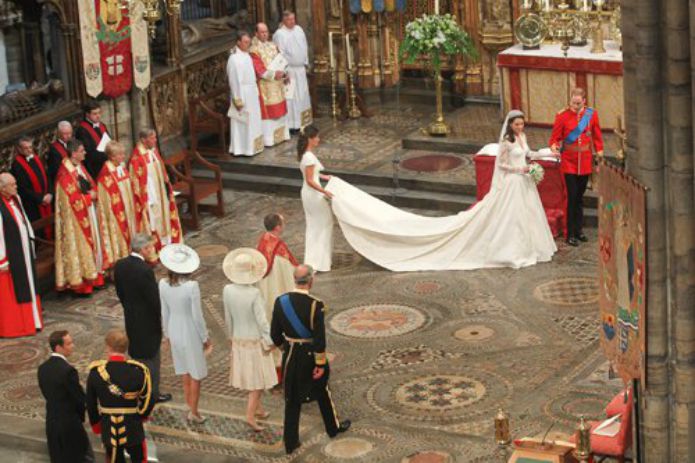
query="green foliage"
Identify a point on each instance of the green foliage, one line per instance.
(434, 36)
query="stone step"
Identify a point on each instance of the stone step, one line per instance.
(290, 186)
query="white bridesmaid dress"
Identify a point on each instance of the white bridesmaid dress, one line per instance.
(318, 245)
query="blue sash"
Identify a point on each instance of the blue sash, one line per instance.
(291, 315)
(580, 128)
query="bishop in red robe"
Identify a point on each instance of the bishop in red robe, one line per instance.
(20, 311)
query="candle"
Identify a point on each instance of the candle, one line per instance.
(348, 51)
(599, 4)
(547, 5)
(436, 6)
(585, 5)
(330, 50)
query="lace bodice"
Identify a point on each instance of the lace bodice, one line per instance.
(512, 156)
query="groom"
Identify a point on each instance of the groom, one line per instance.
(575, 130)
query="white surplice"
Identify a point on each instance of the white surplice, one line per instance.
(508, 228)
(247, 134)
(293, 45)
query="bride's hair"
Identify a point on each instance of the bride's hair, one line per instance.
(310, 131)
(509, 132)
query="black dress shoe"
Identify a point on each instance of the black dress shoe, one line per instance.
(582, 237)
(344, 426)
(294, 131)
(291, 448)
(163, 398)
(572, 241)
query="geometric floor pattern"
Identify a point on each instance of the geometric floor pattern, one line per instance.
(420, 362)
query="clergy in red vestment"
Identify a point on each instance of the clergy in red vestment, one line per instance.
(271, 88)
(20, 311)
(58, 150)
(279, 277)
(78, 247)
(155, 206)
(115, 206)
(33, 183)
(90, 132)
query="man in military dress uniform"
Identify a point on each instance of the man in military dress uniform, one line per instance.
(118, 400)
(298, 326)
(575, 130)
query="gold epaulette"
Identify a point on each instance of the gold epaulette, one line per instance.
(562, 110)
(139, 364)
(96, 364)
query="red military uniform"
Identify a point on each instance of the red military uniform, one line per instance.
(577, 157)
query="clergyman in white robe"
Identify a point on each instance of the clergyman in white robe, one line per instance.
(246, 129)
(292, 44)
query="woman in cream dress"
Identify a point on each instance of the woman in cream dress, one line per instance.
(252, 367)
(315, 199)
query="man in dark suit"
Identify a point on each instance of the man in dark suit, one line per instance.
(298, 326)
(90, 132)
(65, 404)
(138, 292)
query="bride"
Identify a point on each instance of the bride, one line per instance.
(507, 228)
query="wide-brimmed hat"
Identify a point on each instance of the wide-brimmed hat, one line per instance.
(244, 266)
(179, 258)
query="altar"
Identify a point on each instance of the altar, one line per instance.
(539, 81)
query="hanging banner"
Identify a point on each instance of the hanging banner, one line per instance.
(379, 6)
(622, 271)
(355, 6)
(390, 5)
(400, 5)
(113, 23)
(90, 48)
(140, 47)
(366, 6)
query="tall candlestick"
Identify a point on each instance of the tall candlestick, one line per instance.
(547, 5)
(348, 51)
(436, 6)
(330, 50)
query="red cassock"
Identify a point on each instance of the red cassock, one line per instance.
(20, 311)
(268, 109)
(270, 246)
(576, 157)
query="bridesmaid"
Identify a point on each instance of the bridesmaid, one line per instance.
(317, 210)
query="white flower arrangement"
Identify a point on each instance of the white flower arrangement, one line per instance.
(435, 35)
(536, 172)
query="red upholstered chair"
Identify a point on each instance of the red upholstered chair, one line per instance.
(615, 447)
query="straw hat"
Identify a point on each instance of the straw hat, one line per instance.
(244, 266)
(179, 258)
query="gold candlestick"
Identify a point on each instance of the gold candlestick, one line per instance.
(597, 40)
(334, 77)
(353, 112)
(583, 450)
(438, 127)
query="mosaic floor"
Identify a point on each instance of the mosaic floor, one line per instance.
(420, 361)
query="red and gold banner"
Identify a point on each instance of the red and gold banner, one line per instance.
(622, 271)
(113, 34)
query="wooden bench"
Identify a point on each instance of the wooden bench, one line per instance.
(192, 190)
(45, 254)
(207, 114)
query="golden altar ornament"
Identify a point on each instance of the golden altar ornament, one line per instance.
(502, 434)
(597, 45)
(583, 451)
(530, 30)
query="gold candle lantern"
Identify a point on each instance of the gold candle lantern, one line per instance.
(583, 451)
(502, 435)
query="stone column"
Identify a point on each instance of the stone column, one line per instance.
(320, 41)
(4, 78)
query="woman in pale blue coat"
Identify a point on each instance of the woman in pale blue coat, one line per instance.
(183, 323)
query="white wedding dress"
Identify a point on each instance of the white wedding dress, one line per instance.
(508, 228)
(318, 239)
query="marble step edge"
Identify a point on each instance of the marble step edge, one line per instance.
(402, 197)
(406, 179)
(28, 435)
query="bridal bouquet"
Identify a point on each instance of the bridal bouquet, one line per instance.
(536, 172)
